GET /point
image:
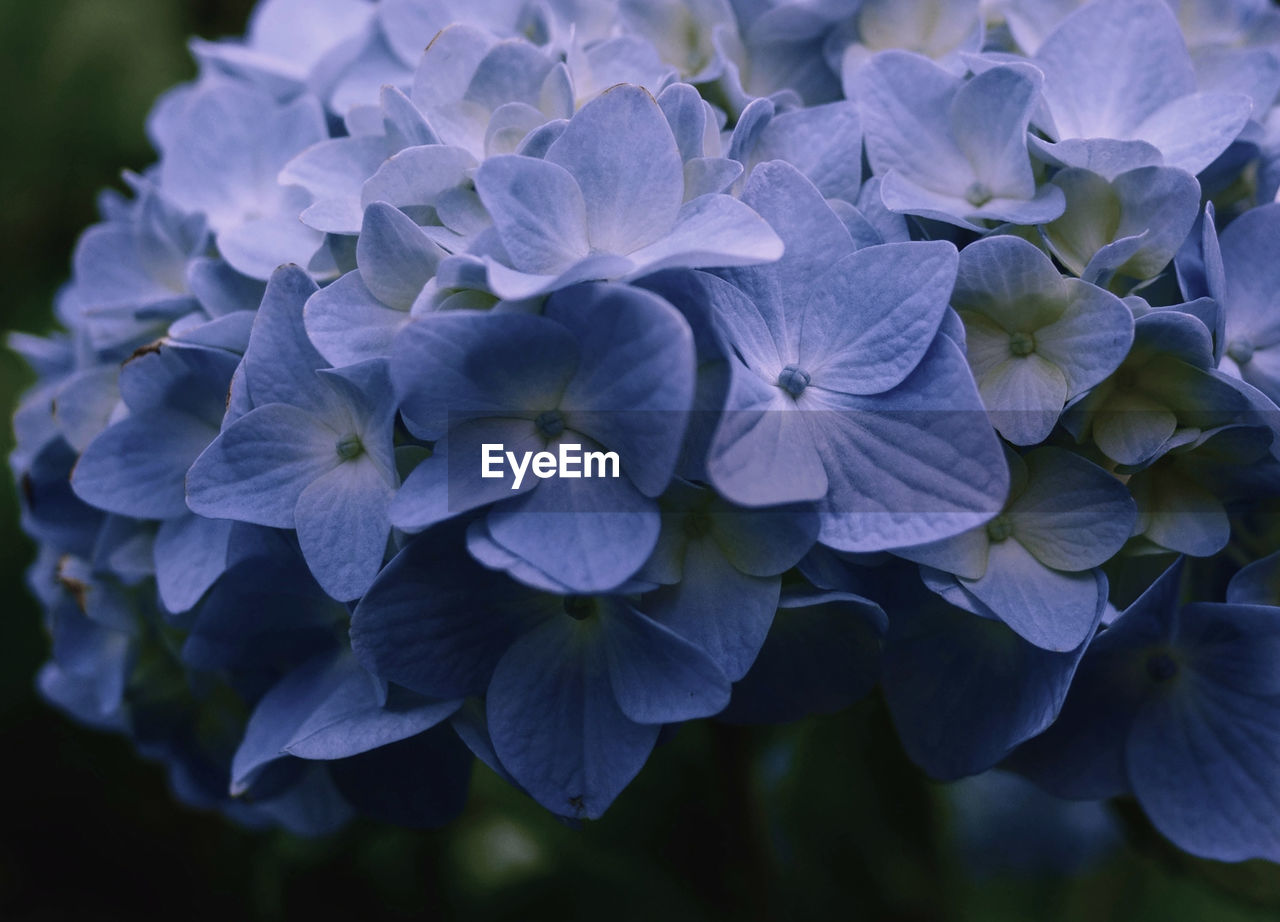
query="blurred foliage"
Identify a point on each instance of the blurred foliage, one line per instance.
(823, 819)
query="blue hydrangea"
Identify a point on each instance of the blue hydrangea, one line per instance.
(518, 380)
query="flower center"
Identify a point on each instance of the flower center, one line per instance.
(1240, 350)
(697, 524)
(793, 380)
(1021, 344)
(350, 447)
(549, 424)
(579, 607)
(1161, 667)
(978, 194)
(999, 528)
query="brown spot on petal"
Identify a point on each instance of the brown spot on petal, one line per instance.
(78, 589)
(145, 350)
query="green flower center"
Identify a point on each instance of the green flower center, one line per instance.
(1021, 344)
(1240, 350)
(999, 528)
(350, 447)
(978, 194)
(579, 607)
(1161, 667)
(697, 524)
(549, 424)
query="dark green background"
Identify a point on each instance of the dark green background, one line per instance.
(88, 831)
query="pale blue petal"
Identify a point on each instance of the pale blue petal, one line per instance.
(333, 172)
(814, 237)
(343, 526)
(1090, 340)
(256, 469)
(1024, 396)
(686, 114)
(1073, 515)
(910, 466)
(591, 535)
(822, 142)
(905, 101)
(220, 289)
(965, 555)
(764, 451)
(866, 322)
(642, 413)
(711, 231)
(1105, 156)
(989, 118)
(621, 151)
(1192, 131)
(718, 608)
(137, 466)
(1110, 66)
(280, 364)
(453, 365)
(1049, 608)
(191, 552)
(538, 210)
(84, 402)
(260, 246)
(396, 259)
(451, 481)
(347, 324)
(417, 176)
(512, 285)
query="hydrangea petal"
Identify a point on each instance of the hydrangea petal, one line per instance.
(556, 725)
(1073, 515)
(455, 364)
(913, 465)
(329, 708)
(641, 414)
(718, 608)
(451, 481)
(538, 211)
(821, 655)
(964, 690)
(620, 150)
(417, 624)
(258, 467)
(868, 321)
(591, 535)
(711, 230)
(343, 526)
(1051, 609)
(657, 675)
(137, 466)
(191, 553)
(347, 324)
(396, 259)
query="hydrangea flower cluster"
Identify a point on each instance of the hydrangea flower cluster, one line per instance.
(935, 346)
